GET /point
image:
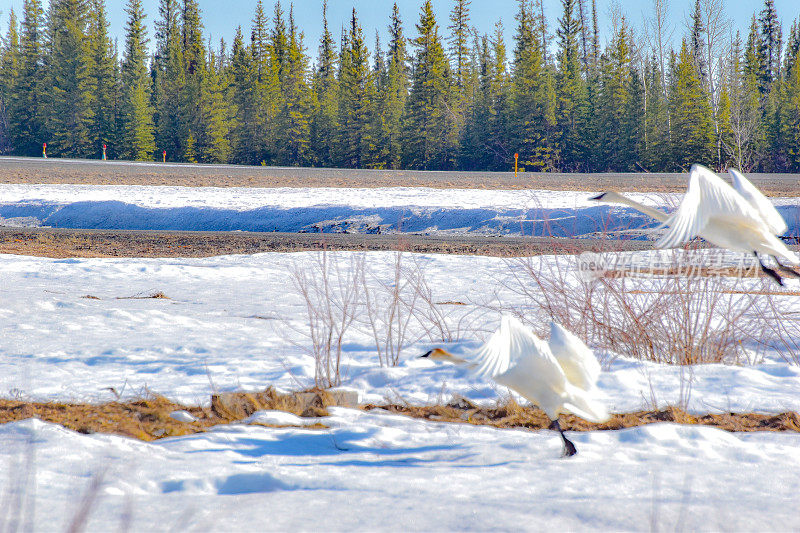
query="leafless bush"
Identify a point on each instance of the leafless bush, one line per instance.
(781, 328)
(688, 318)
(389, 311)
(441, 321)
(331, 291)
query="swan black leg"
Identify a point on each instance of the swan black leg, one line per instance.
(787, 269)
(768, 271)
(569, 448)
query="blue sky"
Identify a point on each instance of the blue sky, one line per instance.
(221, 18)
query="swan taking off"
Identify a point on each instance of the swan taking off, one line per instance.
(739, 218)
(560, 377)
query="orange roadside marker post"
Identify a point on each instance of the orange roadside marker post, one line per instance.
(44, 150)
(104, 152)
(164, 156)
(516, 161)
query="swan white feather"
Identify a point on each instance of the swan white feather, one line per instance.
(721, 215)
(516, 358)
(775, 222)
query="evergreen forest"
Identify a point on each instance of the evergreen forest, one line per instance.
(437, 96)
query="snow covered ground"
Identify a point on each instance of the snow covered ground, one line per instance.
(419, 210)
(235, 322)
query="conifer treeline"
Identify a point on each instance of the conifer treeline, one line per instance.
(445, 98)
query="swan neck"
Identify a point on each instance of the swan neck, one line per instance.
(647, 210)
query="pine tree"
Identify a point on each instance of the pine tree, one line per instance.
(325, 88)
(429, 128)
(71, 94)
(9, 79)
(137, 114)
(693, 131)
(103, 128)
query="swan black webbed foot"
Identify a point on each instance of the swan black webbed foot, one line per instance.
(569, 447)
(789, 270)
(769, 271)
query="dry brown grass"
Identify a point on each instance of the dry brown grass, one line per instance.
(148, 419)
(512, 415)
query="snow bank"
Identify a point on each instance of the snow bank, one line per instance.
(418, 210)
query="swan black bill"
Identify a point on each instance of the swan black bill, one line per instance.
(598, 197)
(426, 354)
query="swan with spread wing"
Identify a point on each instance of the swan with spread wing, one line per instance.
(739, 218)
(559, 376)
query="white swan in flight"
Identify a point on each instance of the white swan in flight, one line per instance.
(738, 218)
(560, 377)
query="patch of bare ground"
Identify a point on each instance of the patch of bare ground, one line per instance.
(149, 419)
(64, 243)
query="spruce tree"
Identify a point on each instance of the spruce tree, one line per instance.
(323, 128)
(279, 41)
(616, 85)
(725, 137)
(656, 149)
(533, 96)
(396, 93)
(215, 144)
(194, 61)
(570, 88)
(769, 51)
(169, 81)
(9, 79)
(245, 96)
(295, 114)
(355, 100)
(137, 114)
(430, 140)
(697, 41)
(693, 130)
(459, 42)
(71, 95)
(790, 107)
(262, 123)
(103, 128)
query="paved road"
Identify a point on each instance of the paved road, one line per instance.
(38, 170)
